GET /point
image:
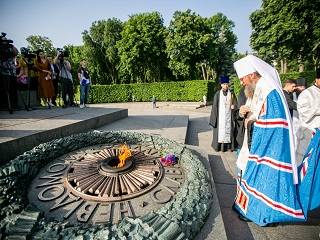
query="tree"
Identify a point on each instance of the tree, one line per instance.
(187, 38)
(113, 28)
(286, 30)
(36, 42)
(141, 48)
(101, 51)
(275, 32)
(308, 14)
(195, 43)
(222, 52)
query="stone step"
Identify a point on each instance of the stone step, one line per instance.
(171, 126)
(21, 131)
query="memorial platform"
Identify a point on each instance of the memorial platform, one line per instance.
(23, 130)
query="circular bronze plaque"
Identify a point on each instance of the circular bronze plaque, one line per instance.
(88, 186)
(96, 176)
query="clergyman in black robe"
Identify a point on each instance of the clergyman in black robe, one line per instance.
(225, 98)
(240, 127)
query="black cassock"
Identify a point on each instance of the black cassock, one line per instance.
(214, 122)
(239, 129)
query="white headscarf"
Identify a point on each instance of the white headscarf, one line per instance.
(251, 64)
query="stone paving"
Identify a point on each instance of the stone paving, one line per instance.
(23, 130)
(169, 120)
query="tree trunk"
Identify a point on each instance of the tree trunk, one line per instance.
(301, 64)
(301, 67)
(212, 74)
(285, 66)
(281, 66)
(204, 75)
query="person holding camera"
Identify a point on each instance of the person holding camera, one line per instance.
(21, 71)
(8, 89)
(46, 89)
(55, 78)
(64, 67)
(84, 78)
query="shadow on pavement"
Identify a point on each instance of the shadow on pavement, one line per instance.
(236, 229)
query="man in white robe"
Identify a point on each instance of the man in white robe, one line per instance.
(308, 106)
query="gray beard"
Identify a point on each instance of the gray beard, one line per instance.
(249, 90)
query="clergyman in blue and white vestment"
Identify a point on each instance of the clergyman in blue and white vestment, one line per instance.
(267, 190)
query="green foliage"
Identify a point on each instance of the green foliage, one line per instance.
(309, 76)
(187, 36)
(141, 48)
(101, 52)
(287, 29)
(235, 84)
(163, 91)
(221, 59)
(200, 47)
(36, 42)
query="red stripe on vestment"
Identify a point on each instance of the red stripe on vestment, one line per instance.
(262, 160)
(304, 170)
(273, 123)
(274, 205)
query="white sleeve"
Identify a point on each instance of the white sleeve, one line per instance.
(304, 106)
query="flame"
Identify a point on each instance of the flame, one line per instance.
(125, 153)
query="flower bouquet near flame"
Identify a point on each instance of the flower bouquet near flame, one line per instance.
(169, 160)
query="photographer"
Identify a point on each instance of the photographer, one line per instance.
(55, 78)
(64, 67)
(21, 70)
(28, 61)
(8, 91)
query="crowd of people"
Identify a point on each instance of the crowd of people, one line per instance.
(50, 76)
(276, 132)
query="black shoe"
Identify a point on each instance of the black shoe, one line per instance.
(64, 106)
(243, 218)
(272, 224)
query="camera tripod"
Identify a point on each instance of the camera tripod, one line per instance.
(6, 82)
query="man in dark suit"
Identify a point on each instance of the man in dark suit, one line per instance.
(288, 89)
(55, 78)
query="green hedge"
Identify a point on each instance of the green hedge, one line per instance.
(308, 75)
(186, 91)
(183, 91)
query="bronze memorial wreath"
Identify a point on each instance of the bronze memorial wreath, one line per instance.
(180, 218)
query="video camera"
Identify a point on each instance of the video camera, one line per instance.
(62, 53)
(27, 53)
(6, 47)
